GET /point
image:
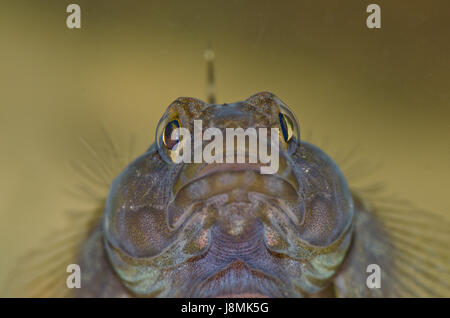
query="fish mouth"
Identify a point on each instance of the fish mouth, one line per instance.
(250, 174)
(221, 184)
(192, 172)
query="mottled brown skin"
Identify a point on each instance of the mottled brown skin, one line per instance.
(173, 230)
(101, 280)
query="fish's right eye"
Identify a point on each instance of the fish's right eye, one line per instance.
(170, 135)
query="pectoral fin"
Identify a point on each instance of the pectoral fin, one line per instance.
(410, 246)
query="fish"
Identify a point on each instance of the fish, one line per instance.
(223, 229)
(165, 228)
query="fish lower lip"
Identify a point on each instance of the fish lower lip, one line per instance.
(193, 174)
(237, 184)
(213, 168)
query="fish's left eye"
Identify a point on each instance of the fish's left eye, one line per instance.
(287, 127)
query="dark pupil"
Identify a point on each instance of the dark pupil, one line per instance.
(283, 125)
(171, 126)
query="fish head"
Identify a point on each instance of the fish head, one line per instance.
(203, 213)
